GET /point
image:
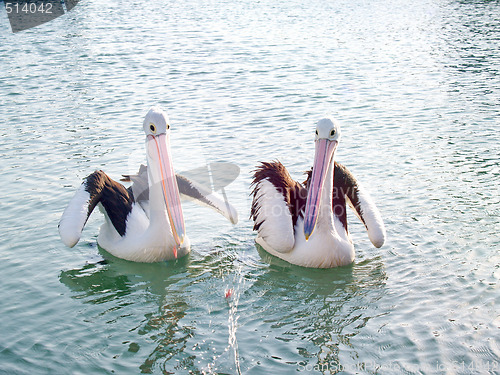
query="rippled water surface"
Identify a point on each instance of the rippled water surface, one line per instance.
(416, 86)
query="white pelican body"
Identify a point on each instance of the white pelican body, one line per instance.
(144, 223)
(307, 225)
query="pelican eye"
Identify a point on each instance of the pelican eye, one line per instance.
(316, 131)
(332, 133)
(168, 126)
(152, 127)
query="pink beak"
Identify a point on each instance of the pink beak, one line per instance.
(159, 146)
(323, 157)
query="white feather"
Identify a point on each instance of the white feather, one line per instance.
(324, 249)
(277, 225)
(370, 215)
(141, 243)
(74, 217)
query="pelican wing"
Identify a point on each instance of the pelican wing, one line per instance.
(345, 185)
(278, 201)
(140, 187)
(96, 188)
(188, 189)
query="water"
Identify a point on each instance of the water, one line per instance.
(416, 86)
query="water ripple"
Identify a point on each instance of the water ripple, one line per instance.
(415, 85)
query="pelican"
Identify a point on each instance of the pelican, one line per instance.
(145, 222)
(306, 224)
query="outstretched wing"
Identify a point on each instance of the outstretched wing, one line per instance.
(188, 189)
(278, 201)
(96, 188)
(345, 185)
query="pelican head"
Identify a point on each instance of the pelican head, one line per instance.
(326, 141)
(161, 173)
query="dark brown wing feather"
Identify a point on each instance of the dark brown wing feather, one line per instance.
(116, 200)
(344, 185)
(294, 193)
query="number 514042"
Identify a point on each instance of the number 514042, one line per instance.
(28, 8)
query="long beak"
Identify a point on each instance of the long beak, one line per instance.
(159, 147)
(322, 159)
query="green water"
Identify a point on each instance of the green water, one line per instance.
(416, 86)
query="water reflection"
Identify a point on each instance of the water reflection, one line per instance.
(169, 334)
(133, 285)
(111, 277)
(313, 313)
(292, 316)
